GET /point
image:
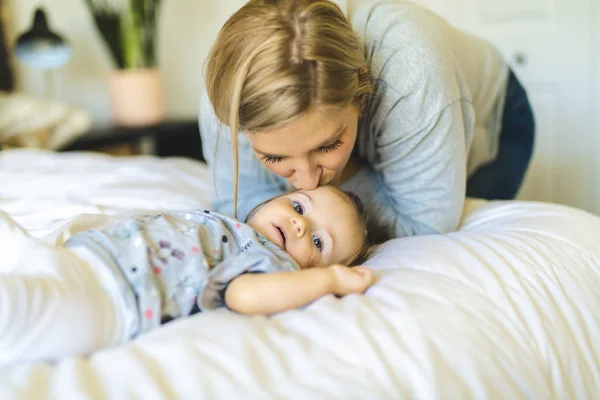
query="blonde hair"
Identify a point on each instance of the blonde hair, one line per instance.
(274, 60)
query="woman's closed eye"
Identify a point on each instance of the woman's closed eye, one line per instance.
(330, 147)
(271, 159)
(323, 149)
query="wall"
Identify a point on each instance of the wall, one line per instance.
(554, 48)
(187, 29)
(595, 106)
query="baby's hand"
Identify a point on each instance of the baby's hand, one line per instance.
(351, 280)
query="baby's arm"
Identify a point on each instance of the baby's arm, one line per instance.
(268, 293)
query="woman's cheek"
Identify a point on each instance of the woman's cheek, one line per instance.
(279, 168)
(334, 160)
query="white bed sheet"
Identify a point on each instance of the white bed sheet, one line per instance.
(54, 194)
(508, 307)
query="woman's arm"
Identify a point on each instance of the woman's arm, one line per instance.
(270, 293)
(424, 173)
(419, 122)
(256, 184)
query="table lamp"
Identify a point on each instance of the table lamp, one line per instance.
(41, 48)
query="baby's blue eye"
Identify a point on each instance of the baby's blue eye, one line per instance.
(298, 207)
(318, 243)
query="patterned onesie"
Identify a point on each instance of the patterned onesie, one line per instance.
(179, 263)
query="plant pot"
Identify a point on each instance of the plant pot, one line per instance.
(136, 97)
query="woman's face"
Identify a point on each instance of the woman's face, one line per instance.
(311, 151)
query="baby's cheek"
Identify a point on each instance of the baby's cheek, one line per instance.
(300, 257)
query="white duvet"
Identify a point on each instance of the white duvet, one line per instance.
(507, 307)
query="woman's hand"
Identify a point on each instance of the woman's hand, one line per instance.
(347, 280)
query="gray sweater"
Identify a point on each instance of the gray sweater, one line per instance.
(433, 120)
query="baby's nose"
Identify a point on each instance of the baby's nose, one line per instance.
(299, 225)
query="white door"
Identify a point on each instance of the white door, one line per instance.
(548, 44)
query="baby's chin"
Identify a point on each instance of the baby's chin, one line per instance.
(302, 264)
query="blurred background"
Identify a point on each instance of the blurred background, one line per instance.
(186, 29)
(552, 45)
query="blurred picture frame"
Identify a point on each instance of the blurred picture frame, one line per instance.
(6, 71)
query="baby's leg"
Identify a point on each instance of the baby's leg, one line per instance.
(64, 309)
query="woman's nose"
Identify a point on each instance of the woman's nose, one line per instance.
(299, 226)
(308, 178)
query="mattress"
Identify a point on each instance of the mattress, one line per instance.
(506, 307)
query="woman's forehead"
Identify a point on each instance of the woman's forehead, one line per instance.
(309, 130)
(304, 132)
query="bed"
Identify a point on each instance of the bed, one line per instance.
(507, 307)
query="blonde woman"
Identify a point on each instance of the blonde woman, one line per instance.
(394, 105)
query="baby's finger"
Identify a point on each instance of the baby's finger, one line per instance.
(366, 273)
(368, 277)
(361, 270)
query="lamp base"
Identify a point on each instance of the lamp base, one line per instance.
(136, 97)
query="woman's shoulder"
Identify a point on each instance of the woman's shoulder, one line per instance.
(212, 130)
(404, 38)
(206, 111)
(408, 50)
(398, 22)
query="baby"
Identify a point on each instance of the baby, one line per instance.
(105, 287)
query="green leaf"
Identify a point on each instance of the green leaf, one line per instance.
(129, 33)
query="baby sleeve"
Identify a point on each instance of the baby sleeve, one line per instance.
(213, 295)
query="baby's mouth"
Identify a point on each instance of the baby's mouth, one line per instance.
(282, 234)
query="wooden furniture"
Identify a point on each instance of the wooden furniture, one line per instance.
(170, 138)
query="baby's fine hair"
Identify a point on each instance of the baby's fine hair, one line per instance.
(362, 253)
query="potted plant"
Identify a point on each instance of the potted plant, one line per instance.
(129, 30)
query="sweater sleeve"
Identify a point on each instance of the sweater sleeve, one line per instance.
(423, 174)
(256, 183)
(418, 125)
(222, 274)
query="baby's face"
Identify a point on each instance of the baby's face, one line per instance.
(316, 228)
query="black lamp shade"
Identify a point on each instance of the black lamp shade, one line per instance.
(41, 48)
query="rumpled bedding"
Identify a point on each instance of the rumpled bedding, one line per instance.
(506, 307)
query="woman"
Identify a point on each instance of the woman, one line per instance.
(399, 107)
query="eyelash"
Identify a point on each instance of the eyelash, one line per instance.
(332, 147)
(323, 149)
(300, 210)
(270, 159)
